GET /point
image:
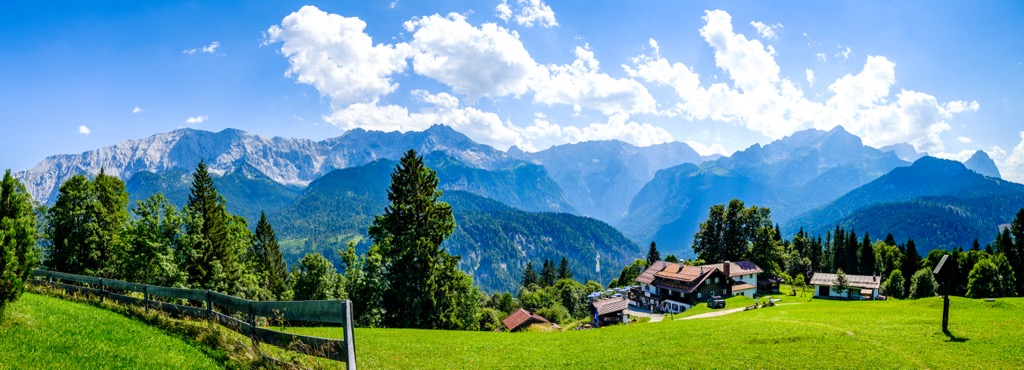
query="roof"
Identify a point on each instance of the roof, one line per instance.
(520, 318)
(738, 268)
(741, 286)
(606, 306)
(681, 272)
(647, 276)
(854, 281)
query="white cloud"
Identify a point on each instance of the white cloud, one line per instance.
(393, 4)
(535, 12)
(1013, 166)
(959, 106)
(618, 127)
(844, 52)
(488, 61)
(705, 150)
(810, 76)
(137, 110)
(84, 130)
(821, 57)
(503, 11)
(767, 31)
(335, 55)
(208, 49)
(581, 85)
(196, 120)
(964, 139)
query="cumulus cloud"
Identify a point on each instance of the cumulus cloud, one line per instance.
(84, 130)
(767, 31)
(137, 110)
(208, 49)
(335, 55)
(618, 127)
(196, 120)
(810, 76)
(1012, 167)
(582, 85)
(486, 61)
(528, 13)
(964, 139)
(821, 57)
(844, 52)
(757, 97)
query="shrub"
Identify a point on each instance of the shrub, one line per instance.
(893, 286)
(922, 285)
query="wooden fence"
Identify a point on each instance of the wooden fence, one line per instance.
(335, 312)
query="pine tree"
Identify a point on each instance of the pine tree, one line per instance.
(153, 236)
(529, 275)
(267, 253)
(425, 287)
(1015, 252)
(17, 240)
(548, 275)
(72, 227)
(653, 255)
(912, 262)
(111, 219)
(210, 261)
(563, 269)
(867, 257)
(975, 246)
(889, 240)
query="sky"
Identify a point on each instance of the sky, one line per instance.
(946, 77)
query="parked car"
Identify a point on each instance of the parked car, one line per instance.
(716, 302)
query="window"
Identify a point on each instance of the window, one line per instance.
(698, 295)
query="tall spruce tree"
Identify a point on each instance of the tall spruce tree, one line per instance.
(867, 257)
(72, 227)
(425, 287)
(563, 269)
(548, 276)
(17, 240)
(266, 253)
(209, 261)
(652, 254)
(111, 219)
(1015, 252)
(912, 263)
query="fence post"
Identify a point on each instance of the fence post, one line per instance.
(350, 343)
(209, 305)
(252, 326)
(145, 297)
(101, 291)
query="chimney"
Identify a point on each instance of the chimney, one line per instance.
(725, 268)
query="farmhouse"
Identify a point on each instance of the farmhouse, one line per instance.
(521, 319)
(608, 311)
(675, 287)
(859, 286)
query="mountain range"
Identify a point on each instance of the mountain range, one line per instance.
(513, 206)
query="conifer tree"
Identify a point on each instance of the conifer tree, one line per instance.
(1014, 251)
(209, 261)
(548, 274)
(867, 257)
(889, 240)
(17, 240)
(563, 269)
(267, 254)
(529, 275)
(912, 263)
(652, 254)
(72, 227)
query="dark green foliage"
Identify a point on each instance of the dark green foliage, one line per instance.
(314, 279)
(893, 286)
(153, 236)
(548, 274)
(425, 287)
(984, 281)
(86, 225)
(737, 233)
(269, 264)
(572, 296)
(911, 262)
(207, 254)
(922, 285)
(365, 282)
(841, 284)
(672, 258)
(1015, 253)
(530, 276)
(564, 272)
(867, 264)
(629, 273)
(653, 255)
(490, 319)
(18, 254)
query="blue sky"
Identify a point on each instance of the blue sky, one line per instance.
(946, 77)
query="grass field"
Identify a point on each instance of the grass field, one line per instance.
(49, 333)
(794, 334)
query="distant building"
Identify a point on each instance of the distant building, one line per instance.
(521, 319)
(608, 311)
(859, 285)
(675, 287)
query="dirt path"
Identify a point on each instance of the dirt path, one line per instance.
(713, 314)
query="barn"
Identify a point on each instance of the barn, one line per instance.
(865, 286)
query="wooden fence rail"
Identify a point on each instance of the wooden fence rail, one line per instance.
(335, 312)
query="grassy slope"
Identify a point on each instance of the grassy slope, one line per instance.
(816, 334)
(47, 332)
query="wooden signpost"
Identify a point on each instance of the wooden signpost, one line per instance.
(942, 276)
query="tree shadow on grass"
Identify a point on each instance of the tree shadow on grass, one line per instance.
(953, 338)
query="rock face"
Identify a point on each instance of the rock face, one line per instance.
(981, 163)
(287, 161)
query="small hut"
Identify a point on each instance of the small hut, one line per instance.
(609, 311)
(522, 318)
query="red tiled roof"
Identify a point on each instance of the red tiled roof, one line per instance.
(520, 318)
(854, 281)
(737, 268)
(647, 276)
(606, 306)
(681, 272)
(741, 286)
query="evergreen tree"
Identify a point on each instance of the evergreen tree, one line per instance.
(911, 262)
(672, 258)
(73, 229)
(111, 198)
(841, 285)
(548, 274)
(1015, 252)
(652, 254)
(889, 240)
(425, 288)
(152, 238)
(975, 246)
(867, 257)
(529, 275)
(314, 278)
(17, 240)
(208, 259)
(1007, 279)
(563, 269)
(267, 254)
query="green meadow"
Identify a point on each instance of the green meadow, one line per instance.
(43, 332)
(797, 333)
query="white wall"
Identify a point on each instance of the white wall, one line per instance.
(749, 279)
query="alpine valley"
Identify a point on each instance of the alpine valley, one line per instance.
(596, 203)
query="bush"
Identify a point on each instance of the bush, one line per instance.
(893, 286)
(490, 319)
(556, 314)
(922, 285)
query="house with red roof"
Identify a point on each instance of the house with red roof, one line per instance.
(521, 319)
(675, 287)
